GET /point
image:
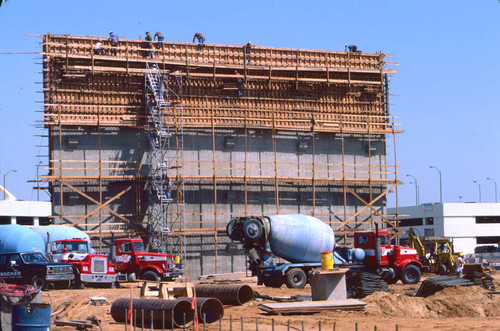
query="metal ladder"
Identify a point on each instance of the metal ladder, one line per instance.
(165, 137)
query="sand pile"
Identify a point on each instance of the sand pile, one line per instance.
(463, 301)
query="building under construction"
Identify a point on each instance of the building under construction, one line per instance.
(168, 141)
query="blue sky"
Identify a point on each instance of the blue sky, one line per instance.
(446, 91)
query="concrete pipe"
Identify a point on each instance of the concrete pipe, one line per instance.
(175, 310)
(210, 309)
(235, 295)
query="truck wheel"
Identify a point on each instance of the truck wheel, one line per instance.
(442, 269)
(275, 282)
(63, 285)
(252, 229)
(150, 275)
(39, 283)
(411, 275)
(295, 278)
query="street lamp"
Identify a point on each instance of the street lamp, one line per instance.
(440, 184)
(416, 189)
(479, 190)
(37, 181)
(5, 193)
(495, 187)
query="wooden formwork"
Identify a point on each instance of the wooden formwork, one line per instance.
(309, 91)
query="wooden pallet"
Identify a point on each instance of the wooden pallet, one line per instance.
(166, 290)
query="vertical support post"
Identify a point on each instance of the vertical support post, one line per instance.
(100, 177)
(396, 181)
(215, 188)
(245, 165)
(276, 185)
(343, 173)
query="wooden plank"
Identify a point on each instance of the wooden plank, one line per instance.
(312, 306)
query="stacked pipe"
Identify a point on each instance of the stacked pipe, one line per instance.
(209, 310)
(235, 295)
(162, 312)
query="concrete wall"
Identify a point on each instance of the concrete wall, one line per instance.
(123, 149)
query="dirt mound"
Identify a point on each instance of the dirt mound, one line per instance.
(463, 301)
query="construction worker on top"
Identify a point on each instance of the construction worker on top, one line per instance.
(160, 38)
(113, 38)
(201, 40)
(239, 82)
(459, 265)
(352, 48)
(246, 51)
(98, 49)
(149, 45)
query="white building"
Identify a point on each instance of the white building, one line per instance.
(31, 213)
(467, 224)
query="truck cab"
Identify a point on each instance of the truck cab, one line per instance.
(132, 261)
(396, 262)
(88, 268)
(35, 269)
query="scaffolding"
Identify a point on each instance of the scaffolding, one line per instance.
(308, 96)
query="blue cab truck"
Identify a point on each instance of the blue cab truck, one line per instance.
(22, 260)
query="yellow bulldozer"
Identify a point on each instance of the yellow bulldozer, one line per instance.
(435, 253)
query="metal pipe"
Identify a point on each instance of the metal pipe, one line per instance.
(210, 309)
(175, 309)
(235, 295)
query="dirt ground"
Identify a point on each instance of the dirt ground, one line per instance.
(461, 308)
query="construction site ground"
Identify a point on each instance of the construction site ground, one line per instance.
(460, 308)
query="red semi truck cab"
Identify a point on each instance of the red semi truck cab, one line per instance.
(396, 262)
(133, 262)
(88, 268)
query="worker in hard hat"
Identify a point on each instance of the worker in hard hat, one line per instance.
(98, 48)
(113, 38)
(351, 48)
(246, 51)
(239, 83)
(459, 265)
(149, 44)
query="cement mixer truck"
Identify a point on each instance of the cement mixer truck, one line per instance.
(300, 239)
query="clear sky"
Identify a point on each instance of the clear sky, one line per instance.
(446, 91)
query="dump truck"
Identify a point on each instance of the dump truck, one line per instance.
(300, 239)
(436, 253)
(133, 262)
(70, 245)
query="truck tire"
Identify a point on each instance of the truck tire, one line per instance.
(411, 274)
(150, 275)
(39, 282)
(442, 269)
(62, 285)
(275, 282)
(252, 229)
(295, 278)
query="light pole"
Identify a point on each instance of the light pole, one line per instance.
(440, 184)
(416, 189)
(5, 193)
(495, 187)
(37, 181)
(479, 190)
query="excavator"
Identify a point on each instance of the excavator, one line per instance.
(435, 253)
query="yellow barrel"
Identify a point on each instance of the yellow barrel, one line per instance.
(327, 260)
